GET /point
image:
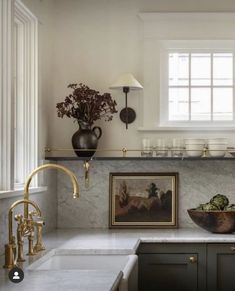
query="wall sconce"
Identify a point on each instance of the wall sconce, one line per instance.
(127, 82)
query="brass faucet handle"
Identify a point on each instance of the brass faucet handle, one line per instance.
(39, 246)
(18, 218)
(32, 214)
(30, 241)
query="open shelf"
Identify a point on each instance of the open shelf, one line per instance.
(107, 158)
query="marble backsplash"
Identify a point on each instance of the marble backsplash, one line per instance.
(198, 182)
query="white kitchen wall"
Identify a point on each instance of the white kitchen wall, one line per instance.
(94, 42)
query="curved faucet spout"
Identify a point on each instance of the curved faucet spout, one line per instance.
(50, 166)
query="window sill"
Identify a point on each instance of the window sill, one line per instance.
(19, 192)
(186, 128)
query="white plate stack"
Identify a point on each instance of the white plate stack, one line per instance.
(194, 147)
(217, 147)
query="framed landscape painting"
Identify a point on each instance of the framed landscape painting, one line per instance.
(143, 200)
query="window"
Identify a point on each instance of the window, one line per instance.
(188, 72)
(25, 94)
(200, 86)
(18, 99)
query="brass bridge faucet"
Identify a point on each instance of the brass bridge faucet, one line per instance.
(24, 228)
(26, 223)
(44, 167)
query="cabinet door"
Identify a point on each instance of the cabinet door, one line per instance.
(176, 272)
(220, 267)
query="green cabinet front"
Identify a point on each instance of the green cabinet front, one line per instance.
(221, 267)
(178, 267)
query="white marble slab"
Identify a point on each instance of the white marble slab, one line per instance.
(101, 241)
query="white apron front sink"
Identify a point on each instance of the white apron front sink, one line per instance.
(68, 260)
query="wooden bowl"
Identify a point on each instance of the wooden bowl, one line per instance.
(214, 221)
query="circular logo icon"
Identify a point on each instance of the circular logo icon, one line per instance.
(16, 275)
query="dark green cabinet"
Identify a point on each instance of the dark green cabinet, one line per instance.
(178, 267)
(221, 267)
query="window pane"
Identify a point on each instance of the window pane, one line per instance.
(200, 103)
(200, 69)
(223, 69)
(223, 104)
(178, 104)
(178, 69)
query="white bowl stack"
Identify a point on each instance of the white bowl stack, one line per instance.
(217, 147)
(194, 147)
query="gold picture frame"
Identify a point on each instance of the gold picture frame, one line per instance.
(143, 200)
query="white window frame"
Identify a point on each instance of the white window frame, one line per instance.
(162, 31)
(192, 47)
(9, 9)
(6, 121)
(27, 108)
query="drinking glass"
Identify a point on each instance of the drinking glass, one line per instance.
(147, 150)
(177, 147)
(161, 148)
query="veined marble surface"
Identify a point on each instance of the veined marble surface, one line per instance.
(100, 242)
(71, 280)
(198, 182)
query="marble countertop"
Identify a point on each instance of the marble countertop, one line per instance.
(99, 242)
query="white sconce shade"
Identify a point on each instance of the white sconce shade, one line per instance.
(126, 80)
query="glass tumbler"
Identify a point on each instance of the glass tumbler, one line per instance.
(147, 150)
(161, 148)
(177, 147)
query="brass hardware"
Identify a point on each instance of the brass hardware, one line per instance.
(232, 249)
(44, 167)
(30, 239)
(124, 151)
(20, 237)
(48, 150)
(23, 229)
(10, 255)
(86, 166)
(39, 245)
(192, 259)
(205, 150)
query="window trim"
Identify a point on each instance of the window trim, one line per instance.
(191, 46)
(163, 30)
(8, 10)
(29, 25)
(6, 121)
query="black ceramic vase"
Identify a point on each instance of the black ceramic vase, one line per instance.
(86, 138)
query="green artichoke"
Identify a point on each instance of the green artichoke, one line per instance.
(209, 207)
(200, 207)
(220, 201)
(231, 207)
